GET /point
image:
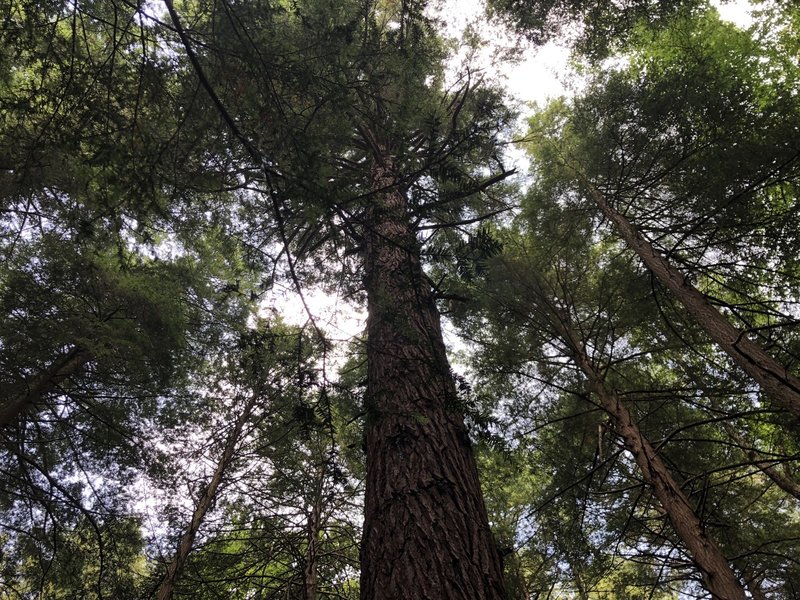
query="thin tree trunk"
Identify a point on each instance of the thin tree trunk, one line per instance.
(773, 377)
(768, 468)
(426, 531)
(788, 485)
(754, 586)
(583, 593)
(717, 573)
(204, 504)
(314, 526)
(63, 368)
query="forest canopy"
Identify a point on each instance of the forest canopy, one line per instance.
(612, 410)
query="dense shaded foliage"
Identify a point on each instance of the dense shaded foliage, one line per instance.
(166, 174)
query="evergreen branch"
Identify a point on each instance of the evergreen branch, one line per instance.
(254, 152)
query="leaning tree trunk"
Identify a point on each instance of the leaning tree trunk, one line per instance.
(768, 468)
(204, 503)
(773, 377)
(718, 576)
(22, 401)
(754, 586)
(426, 532)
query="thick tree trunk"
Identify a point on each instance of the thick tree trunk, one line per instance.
(717, 573)
(204, 504)
(20, 402)
(773, 377)
(426, 532)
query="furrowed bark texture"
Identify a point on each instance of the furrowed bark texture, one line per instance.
(773, 377)
(204, 504)
(426, 532)
(718, 576)
(62, 369)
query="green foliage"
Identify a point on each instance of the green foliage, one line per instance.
(86, 115)
(603, 26)
(285, 486)
(693, 141)
(92, 560)
(139, 226)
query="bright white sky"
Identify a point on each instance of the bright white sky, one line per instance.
(542, 75)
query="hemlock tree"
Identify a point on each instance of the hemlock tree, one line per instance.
(700, 185)
(381, 71)
(696, 165)
(544, 299)
(399, 153)
(562, 301)
(100, 321)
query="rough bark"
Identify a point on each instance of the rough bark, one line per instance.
(22, 401)
(773, 377)
(204, 504)
(426, 532)
(718, 576)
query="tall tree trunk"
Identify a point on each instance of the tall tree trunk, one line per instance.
(787, 484)
(773, 377)
(717, 573)
(426, 531)
(204, 504)
(33, 390)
